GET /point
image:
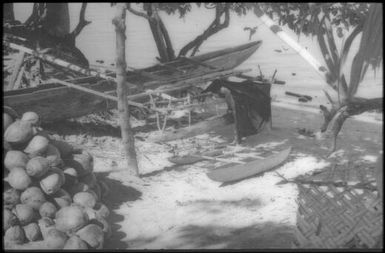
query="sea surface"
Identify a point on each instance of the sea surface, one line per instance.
(97, 42)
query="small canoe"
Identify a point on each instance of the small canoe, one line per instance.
(242, 171)
(55, 102)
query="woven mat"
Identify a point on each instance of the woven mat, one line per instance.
(339, 208)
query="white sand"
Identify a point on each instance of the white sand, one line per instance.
(173, 200)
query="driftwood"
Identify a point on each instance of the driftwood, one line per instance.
(298, 95)
(196, 129)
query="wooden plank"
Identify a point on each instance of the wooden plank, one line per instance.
(239, 172)
(145, 73)
(211, 75)
(168, 66)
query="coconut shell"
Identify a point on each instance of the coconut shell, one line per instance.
(102, 210)
(97, 191)
(9, 219)
(19, 179)
(64, 148)
(11, 112)
(37, 167)
(7, 121)
(15, 235)
(104, 225)
(93, 235)
(53, 156)
(32, 117)
(33, 197)
(55, 239)
(15, 158)
(71, 218)
(70, 171)
(47, 209)
(32, 232)
(85, 199)
(52, 181)
(62, 198)
(45, 224)
(79, 187)
(37, 146)
(83, 163)
(11, 198)
(25, 214)
(18, 133)
(74, 242)
(70, 181)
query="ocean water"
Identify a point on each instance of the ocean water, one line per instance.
(97, 42)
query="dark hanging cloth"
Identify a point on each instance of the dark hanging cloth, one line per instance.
(251, 104)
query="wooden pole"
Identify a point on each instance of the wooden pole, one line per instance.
(128, 140)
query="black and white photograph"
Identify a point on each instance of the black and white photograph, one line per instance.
(215, 126)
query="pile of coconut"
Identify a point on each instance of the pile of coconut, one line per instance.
(51, 196)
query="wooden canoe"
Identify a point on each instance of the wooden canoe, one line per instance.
(55, 102)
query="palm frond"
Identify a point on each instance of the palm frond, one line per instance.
(370, 50)
(348, 43)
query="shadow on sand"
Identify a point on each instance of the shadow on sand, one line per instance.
(118, 194)
(263, 236)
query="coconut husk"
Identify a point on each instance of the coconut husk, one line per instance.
(11, 198)
(85, 199)
(93, 235)
(37, 146)
(33, 197)
(53, 156)
(15, 158)
(32, 232)
(37, 167)
(75, 243)
(19, 179)
(14, 235)
(9, 219)
(25, 214)
(61, 198)
(18, 134)
(47, 209)
(70, 218)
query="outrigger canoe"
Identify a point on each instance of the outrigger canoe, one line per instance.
(55, 101)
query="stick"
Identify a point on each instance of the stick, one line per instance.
(321, 70)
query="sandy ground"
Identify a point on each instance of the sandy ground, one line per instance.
(179, 207)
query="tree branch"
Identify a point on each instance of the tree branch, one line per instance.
(214, 27)
(137, 13)
(82, 21)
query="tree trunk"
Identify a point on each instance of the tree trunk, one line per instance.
(128, 140)
(8, 13)
(335, 118)
(159, 41)
(57, 21)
